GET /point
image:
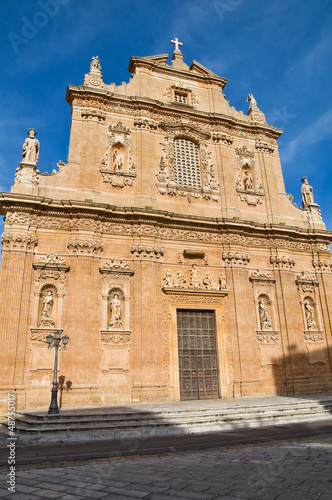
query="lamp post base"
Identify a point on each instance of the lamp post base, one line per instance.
(54, 409)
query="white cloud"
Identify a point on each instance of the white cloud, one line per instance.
(318, 131)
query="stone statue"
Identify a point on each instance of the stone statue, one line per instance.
(253, 102)
(195, 281)
(247, 181)
(222, 282)
(167, 278)
(48, 303)
(115, 307)
(208, 282)
(115, 312)
(30, 147)
(95, 64)
(117, 160)
(306, 191)
(310, 316)
(264, 317)
(180, 280)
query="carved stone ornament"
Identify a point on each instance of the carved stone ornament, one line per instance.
(90, 247)
(248, 185)
(314, 336)
(261, 274)
(95, 77)
(27, 173)
(264, 147)
(147, 251)
(117, 338)
(174, 93)
(194, 280)
(51, 259)
(18, 241)
(235, 258)
(283, 262)
(117, 167)
(166, 176)
(93, 114)
(322, 265)
(145, 124)
(222, 139)
(270, 337)
(254, 112)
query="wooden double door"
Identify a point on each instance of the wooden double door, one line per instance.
(197, 354)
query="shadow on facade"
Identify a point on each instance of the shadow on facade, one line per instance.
(305, 375)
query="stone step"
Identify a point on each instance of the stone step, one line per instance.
(36, 427)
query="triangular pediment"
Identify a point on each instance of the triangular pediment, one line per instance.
(202, 70)
(159, 59)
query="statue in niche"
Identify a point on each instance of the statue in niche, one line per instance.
(180, 258)
(222, 282)
(264, 317)
(307, 194)
(167, 278)
(31, 147)
(180, 280)
(247, 181)
(208, 282)
(48, 303)
(195, 281)
(115, 312)
(310, 316)
(117, 160)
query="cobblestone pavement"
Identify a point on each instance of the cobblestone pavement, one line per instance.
(300, 469)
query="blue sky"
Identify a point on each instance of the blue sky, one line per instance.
(279, 50)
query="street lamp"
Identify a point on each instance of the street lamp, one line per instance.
(57, 342)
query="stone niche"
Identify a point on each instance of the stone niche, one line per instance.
(314, 335)
(115, 332)
(49, 291)
(116, 167)
(267, 332)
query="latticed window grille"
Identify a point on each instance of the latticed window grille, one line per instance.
(186, 164)
(183, 98)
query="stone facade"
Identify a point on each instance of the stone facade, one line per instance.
(171, 200)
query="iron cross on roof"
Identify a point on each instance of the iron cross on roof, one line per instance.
(176, 43)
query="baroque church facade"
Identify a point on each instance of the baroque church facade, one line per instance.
(166, 249)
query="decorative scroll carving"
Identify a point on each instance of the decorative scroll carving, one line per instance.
(85, 246)
(267, 337)
(147, 251)
(314, 336)
(248, 185)
(122, 337)
(89, 114)
(51, 259)
(115, 265)
(235, 258)
(27, 173)
(18, 241)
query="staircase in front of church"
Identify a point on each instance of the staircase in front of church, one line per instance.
(142, 421)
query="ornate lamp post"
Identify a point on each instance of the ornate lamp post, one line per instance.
(57, 342)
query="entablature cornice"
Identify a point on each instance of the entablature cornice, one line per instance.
(70, 214)
(108, 101)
